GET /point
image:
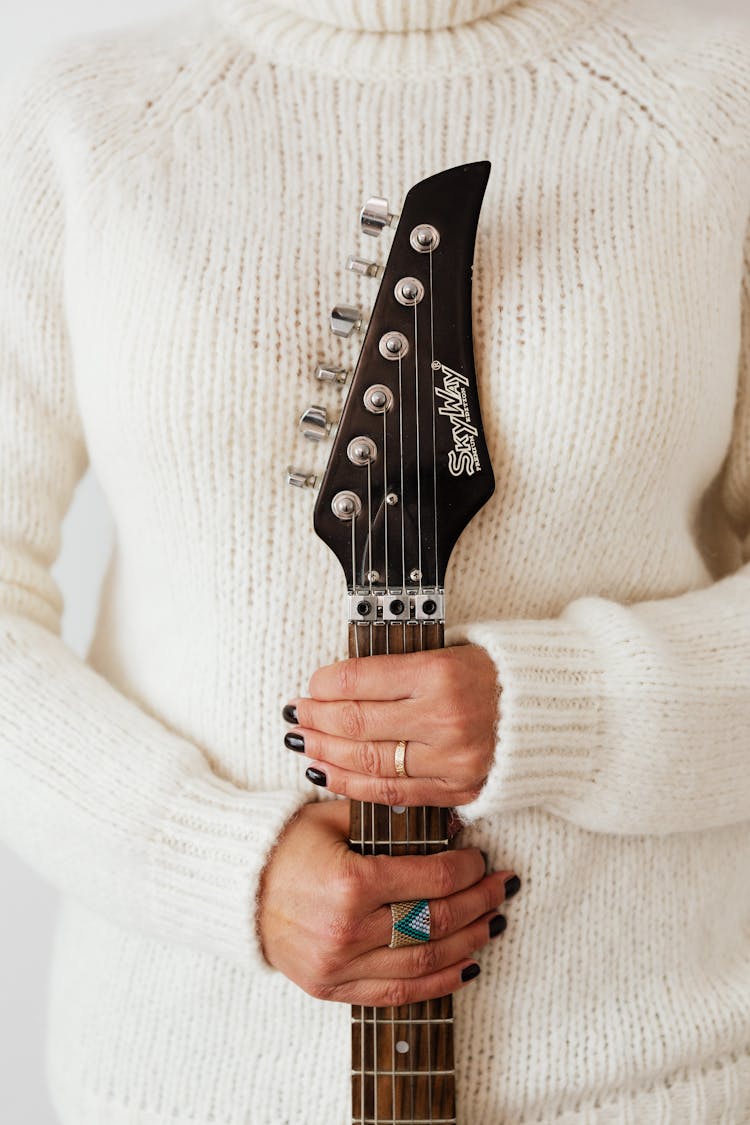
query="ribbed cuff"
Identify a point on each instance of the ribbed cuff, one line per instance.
(551, 714)
(206, 860)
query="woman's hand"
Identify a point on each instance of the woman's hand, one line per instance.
(444, 703)
(325, 920)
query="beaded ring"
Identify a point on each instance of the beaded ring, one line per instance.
(411, 923)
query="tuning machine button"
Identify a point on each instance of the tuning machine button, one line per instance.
(363, 267)
(345, 319)
(334, 376)
(375, 215)
(315, 424)
(300, 478)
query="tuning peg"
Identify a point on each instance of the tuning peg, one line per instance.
(344, 319)
(300, 478)
(324, 373)
(314, 423)
(375, 215)
(362, 266)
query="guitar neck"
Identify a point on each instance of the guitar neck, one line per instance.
(402, 1058)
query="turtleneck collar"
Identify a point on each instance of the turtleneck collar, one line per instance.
(407, 40)
(394, 15)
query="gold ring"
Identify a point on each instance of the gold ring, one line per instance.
(400, 759)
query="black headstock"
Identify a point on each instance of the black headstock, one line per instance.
(409, 466)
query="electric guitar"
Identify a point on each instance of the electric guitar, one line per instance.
(407, 471)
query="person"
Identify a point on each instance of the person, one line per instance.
(176, 198)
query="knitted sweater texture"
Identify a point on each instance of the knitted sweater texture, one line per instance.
(176, 201)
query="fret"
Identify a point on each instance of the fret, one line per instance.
(402, 1073)
(386, 1096)
(435, 1020)
(398, 1044)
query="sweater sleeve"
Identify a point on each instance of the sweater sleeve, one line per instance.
(98, 795)
(633, 718)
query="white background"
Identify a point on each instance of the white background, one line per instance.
(27, 905)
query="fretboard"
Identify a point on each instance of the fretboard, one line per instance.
(402, 1058)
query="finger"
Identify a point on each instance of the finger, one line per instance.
(436, 792)
(390, 878)
(428, 957)
(447, 915)
(391, 676)
(373, 759)
(394, 993)
(364, 722)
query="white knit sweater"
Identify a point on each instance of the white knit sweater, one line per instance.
(175, 203)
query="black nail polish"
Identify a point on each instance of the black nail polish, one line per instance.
(497, 924)
(290, 713)
(294, 742)
(470, 972)
(486, 859)
(317, 777)
(512, 886)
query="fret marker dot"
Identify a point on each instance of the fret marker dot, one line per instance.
(398, 808)
(402, 1046)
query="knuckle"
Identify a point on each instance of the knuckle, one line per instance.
(323, 964)
(352, 720)
(349, 675)
(341, 783)
(444, 670)
(425, 959)
(319, 990)
(346, 891)
(445, 875)
(368, 759)
(387, 792)
(344, 930)
(396, 993)
(442, 922)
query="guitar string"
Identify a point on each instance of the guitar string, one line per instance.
(419, 547)
(362, 1021)
(374, 1010)
(354, 583)
(387, 628)
(429, 1006)
(434, 442)
(372, 806)
(402, 500)
(419, 464)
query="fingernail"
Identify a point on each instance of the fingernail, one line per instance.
(289, 713)
(470, 972)
(317, 777)
(294, 742)
(486, 859)
(497, 924)
(512, 886)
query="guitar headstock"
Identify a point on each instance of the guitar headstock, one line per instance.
(409, 466)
